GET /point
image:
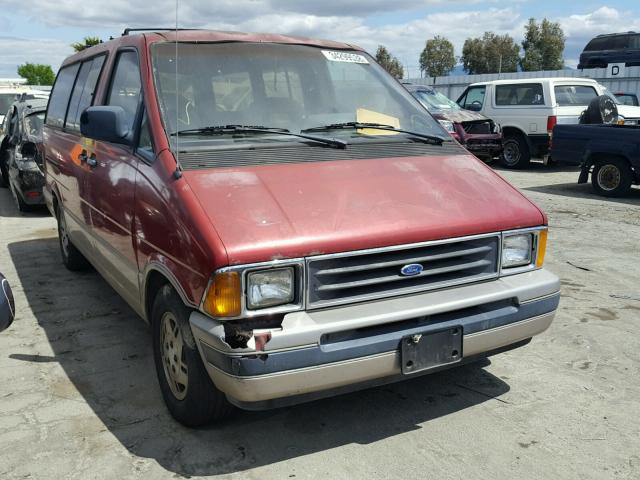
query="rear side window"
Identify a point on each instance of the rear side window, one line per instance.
(520, 94)
(634, 42)
(620, 42)
(126, 87)
(59, 100)
(84, 91)
(567, 95)
(596, 44)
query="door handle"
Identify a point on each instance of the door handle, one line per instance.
(92, 161)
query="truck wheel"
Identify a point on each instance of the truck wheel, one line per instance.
(188, 392)
(612, 178)
(516, 152)
(71, 256)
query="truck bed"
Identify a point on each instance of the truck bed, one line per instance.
(577, 144)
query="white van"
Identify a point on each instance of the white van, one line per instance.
(528, 109)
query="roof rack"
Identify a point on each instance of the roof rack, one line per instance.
(127, 31)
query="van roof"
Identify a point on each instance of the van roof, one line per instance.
(207, 36)
(615, 34)
(577, 80)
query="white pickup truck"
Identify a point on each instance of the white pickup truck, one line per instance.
(528, 109)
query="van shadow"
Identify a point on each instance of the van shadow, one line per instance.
(105, 351)
(585, 190)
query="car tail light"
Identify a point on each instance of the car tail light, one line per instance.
(552, 121)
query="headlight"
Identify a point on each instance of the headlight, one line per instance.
(448, 126)
(525, 250)
(497, 128)
(517, 250)
(270, 288)
(621, 120)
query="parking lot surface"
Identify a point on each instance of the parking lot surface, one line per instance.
(79, 396)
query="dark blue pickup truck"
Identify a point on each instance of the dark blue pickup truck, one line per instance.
(611, 153)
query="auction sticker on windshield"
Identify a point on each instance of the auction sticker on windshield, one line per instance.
(348, 57)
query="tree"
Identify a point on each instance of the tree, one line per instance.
(390, 63)
(37, 74)
(543, 46)
(437, 58)
(490, 54)
(86, 43)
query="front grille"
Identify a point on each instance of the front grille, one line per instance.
(359, 276)
(478, 127)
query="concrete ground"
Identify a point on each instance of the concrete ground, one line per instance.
(79, 397)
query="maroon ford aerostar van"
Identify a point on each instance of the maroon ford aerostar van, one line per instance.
(286, 216)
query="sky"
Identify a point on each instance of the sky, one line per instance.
(41, 31)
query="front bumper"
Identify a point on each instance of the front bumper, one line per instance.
(320, 351)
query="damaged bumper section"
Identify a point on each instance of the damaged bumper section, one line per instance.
(317, 353)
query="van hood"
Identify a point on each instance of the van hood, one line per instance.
(269, 212)
(460, 116)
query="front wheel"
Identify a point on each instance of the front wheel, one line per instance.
(188, 392)
(71, 256)
(516, 152)
(612, 178)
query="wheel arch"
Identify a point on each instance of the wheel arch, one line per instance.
(513, 130)
(595, 156)
(155, 276)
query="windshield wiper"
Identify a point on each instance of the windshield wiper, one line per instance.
(432, 139)
(230, 129)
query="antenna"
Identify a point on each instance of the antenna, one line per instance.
(177, 174)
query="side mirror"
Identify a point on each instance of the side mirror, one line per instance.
(474, 107)
(105, 123)
(7, 305)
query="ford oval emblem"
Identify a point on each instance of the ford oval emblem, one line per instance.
(411, 269)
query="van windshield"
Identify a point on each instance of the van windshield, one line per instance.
(292, 87)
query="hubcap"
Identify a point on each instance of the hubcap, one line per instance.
(171, 347)
(511, 153)
(64, 237)
(609, 177)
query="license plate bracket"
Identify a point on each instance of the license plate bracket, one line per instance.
(424, 351)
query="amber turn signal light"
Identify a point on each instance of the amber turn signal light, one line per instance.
(542, 247)
(223, 296)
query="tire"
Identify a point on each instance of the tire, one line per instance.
(4, 172)
(612, 178)
(190, 395)
(516, 152)
(601, 109)
(71, 256)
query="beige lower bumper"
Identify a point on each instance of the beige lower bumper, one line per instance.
(361, 370)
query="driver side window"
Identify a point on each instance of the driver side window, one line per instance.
(474, 99)
(126, 86)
